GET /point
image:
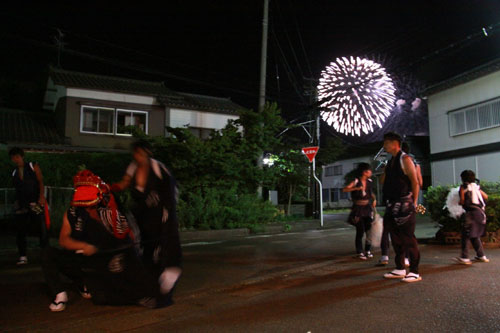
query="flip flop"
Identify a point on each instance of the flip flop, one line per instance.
(85, 292)
(462, 261)
(411, 278)
(57, 307)
(392, 275)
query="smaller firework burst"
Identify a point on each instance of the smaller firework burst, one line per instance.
(356, 94)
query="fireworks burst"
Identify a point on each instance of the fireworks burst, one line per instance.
(357, 94)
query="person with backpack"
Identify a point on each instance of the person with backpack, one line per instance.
(472, 199)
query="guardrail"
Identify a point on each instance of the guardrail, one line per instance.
(54, 195)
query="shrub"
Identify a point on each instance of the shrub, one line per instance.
(493, 213)
(218, 209)
(436, 200)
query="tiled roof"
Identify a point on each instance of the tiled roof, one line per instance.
(203, 103)
(18, 126)
(107, 83)
(150, 88)
(475, 73)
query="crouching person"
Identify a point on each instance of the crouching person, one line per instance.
(98, 252)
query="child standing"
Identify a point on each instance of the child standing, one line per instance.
(472, 199)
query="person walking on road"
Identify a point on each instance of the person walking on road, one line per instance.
(472, 199)
(30, 201)
(362, 211)
(400, 193)
(154, 192)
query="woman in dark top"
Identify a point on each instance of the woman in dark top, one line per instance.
(362, 211)
(97, 252)
(472, 199)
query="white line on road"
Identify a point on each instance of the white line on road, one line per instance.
(202, 243)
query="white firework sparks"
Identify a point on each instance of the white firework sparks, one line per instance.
(357, 94)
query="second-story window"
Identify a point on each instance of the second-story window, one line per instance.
(126, 118)
(97, 120)
(103, 120)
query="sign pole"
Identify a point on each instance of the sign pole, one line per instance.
(311, 152)
(320, 193)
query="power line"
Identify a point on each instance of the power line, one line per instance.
(302, 44)
(142, 53)
(288, 70)
(485, 32)
(134, 67)
(299, 67)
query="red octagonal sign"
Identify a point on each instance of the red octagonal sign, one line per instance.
(310, 152)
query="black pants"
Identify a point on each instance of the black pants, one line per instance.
(404, 241)
(160, 241)
(56, 262)
(384, 242)
(112, 278)
(476, 244)
(362, 227)
(23, 223)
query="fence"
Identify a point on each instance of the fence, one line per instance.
(57, 197)
(7, 202)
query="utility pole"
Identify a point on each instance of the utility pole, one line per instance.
(263, 67)
(59, 40)
(263, 57)
(314, 182)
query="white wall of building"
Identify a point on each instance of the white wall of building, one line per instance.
(486, 165)
(199, 119)
(110, 96)
(470, 93)
(52, 95)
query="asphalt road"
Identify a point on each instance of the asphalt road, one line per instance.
(294, 282)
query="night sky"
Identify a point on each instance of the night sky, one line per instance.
(213, 47)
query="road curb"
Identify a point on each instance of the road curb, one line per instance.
(274, 228)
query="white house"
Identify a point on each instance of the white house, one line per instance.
(464, 125)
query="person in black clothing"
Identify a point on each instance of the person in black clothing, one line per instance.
(362, 211)
(400, 193)
(98, 252)
(472, 199)
(30, 201)
(154, 192)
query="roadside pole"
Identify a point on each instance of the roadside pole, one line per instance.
(263, 68)
(320, 193)
(311, 152)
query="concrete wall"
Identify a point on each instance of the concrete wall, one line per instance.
(52, 95)
(485, 166)
(447, 171)
(476, 91)
(199, 119)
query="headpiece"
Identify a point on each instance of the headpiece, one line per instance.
(89, 189)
